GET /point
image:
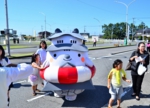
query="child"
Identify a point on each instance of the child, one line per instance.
(114, 82)
(34, 78)
(42, 51)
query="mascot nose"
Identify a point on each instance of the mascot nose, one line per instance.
(67, 56)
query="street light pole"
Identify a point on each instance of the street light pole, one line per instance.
(126, 15)
(45, 24)
(49, 25)
(99, 25)
(7, 29)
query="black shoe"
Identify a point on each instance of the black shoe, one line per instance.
(8, 101)
(133, 94)
(11, 85)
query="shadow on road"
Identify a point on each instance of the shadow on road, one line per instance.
(90, 98)
(140, 106)
(18, 85)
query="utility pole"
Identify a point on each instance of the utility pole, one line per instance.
(84, 29)
(45, 23)
(7, 29)
(111, 32)
(143, 30)
(132, 29)
(99, 25)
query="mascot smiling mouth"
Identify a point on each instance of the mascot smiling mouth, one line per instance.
(67, 64)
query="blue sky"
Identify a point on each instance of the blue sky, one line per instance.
(25, 17)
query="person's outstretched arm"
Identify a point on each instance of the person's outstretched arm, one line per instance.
(11, 65)
(22, 71)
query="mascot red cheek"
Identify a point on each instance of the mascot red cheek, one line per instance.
(68, 70)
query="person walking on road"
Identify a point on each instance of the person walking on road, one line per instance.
(42, 51)
(94, 42)
(114, 82)
(35, 78)
(138, 79)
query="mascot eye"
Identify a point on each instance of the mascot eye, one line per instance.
(79, 55)
(55, 55)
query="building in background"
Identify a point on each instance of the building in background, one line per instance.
(86, 36)
(142, 32)
(41, 35)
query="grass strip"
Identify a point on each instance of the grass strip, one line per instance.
(18, 47)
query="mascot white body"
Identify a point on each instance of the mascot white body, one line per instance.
(67, 63)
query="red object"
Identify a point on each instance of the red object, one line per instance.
(67, 75)
(93, 70)
(42, 72)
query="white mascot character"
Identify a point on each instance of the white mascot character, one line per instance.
(11, 74)
(67, 65)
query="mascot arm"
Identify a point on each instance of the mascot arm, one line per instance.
(88, 62)
(22, 71)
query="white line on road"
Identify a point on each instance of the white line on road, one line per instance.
(29, 100)
(20, 81)
(93, 58)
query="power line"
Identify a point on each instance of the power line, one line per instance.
(99, 8)
(143, 17)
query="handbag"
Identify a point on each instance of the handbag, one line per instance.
(33, 78)
(128, 67)
(141, 69)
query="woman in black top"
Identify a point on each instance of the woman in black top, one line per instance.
(138, 79)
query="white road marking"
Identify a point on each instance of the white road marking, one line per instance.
(20, 81)
(29, 100)
(93, 58)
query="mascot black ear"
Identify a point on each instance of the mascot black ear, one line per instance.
(75, 30)
(58, 30)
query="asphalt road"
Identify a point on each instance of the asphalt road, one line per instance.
(21, 94)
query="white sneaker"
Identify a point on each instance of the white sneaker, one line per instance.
(71, 97)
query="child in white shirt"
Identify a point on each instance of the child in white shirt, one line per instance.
(42, 51)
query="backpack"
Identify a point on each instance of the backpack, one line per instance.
(6, 59)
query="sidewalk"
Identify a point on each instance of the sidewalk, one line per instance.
(131, 102)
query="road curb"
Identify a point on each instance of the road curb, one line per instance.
(122, 52)
(110, 47)
(89, 50)
(20, 57)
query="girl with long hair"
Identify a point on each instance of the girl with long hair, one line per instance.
(42, 51)
(34, 78)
